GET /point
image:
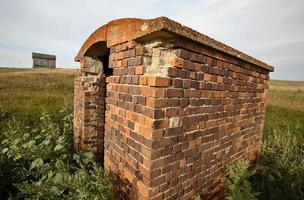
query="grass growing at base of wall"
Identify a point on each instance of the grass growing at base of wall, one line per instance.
(38, 162)
(280, 171)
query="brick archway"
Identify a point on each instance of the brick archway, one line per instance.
(89, 99)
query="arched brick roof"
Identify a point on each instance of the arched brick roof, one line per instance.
(126, 29)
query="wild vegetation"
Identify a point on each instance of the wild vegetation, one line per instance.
(280, 170)
(37, 160)
(39, 163)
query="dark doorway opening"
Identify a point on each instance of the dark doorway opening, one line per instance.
(105, 60)
(99, 55)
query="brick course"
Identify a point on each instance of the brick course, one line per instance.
(174, 111)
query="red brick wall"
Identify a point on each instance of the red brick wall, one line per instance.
(89, 110)
(176, 113)
(219, 102)
(128, 120)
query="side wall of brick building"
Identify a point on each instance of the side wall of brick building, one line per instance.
(217, 105)
(176, 113)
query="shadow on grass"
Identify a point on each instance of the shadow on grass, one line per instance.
(275, 182)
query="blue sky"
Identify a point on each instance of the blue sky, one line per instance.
(272, 30)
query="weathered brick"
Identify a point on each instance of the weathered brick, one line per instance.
(177, 83)
(153, 92)
(177, 62)
(171, 112)
(159, 81)
(175, 93)
(139, 70)
(157, 103)
(182, 53)
(139, 51)
(172, 72)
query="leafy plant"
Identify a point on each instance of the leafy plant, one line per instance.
(197, 197)
(39, 163)
(280, 171)
(279, 174)
(236, 181)
(88, 181)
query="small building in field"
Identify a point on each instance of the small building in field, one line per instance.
(44, 60)
(167, 107)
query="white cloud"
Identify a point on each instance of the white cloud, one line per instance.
(269, 30)
(14, 58)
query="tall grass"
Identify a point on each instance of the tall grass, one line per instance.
(26, 93)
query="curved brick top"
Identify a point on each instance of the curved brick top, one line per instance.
(122, 30)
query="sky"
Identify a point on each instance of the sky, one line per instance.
(270, 30)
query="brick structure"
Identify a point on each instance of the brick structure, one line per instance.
(44, 60)
(168, 107)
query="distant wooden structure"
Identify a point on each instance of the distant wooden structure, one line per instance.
(44, 60)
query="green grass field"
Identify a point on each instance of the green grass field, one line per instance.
(26, 93)
(285, 108)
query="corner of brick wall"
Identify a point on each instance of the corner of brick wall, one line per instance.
(89, 111)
